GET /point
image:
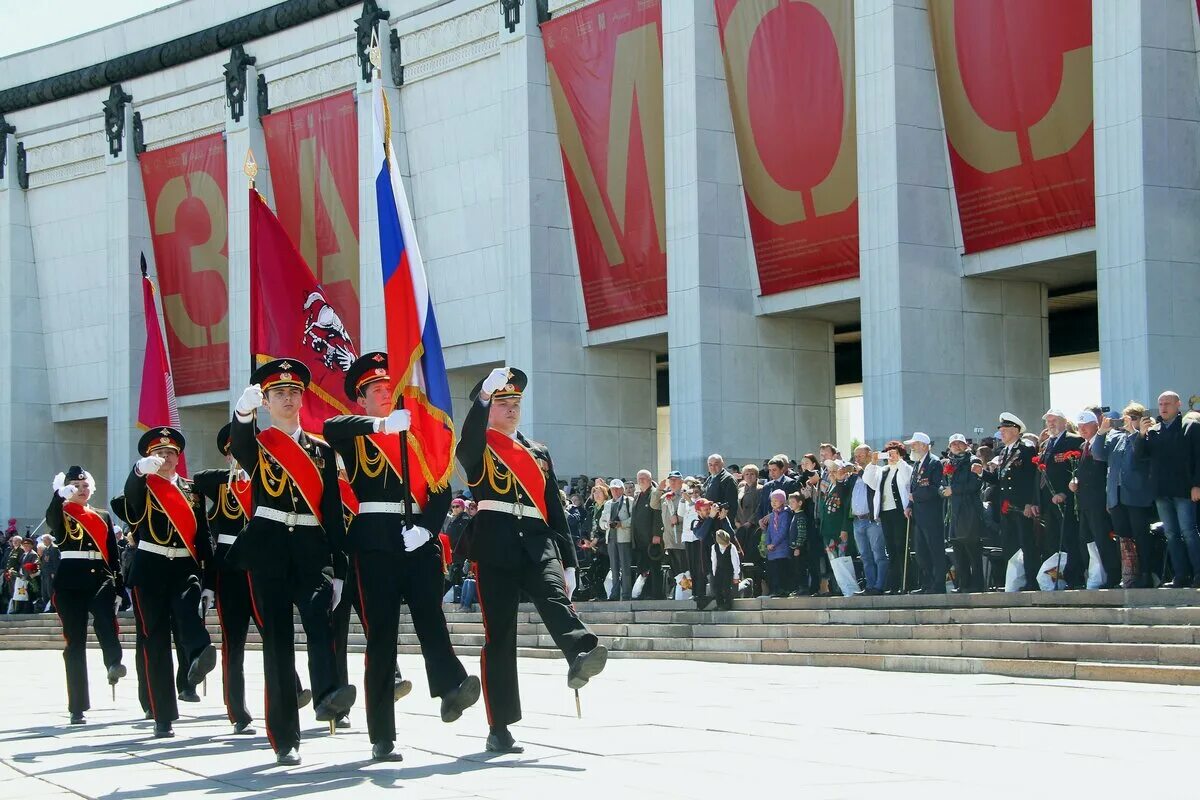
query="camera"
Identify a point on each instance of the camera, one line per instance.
(1105, 409)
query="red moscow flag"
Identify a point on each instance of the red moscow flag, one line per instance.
(156, 405)
(291, 317)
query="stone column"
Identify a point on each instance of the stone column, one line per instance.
(941, 353)
(1147, 123)
(128, 237)
(373, 335)
(594, 406)
(27, 457)
(744, 386)
(242, 135)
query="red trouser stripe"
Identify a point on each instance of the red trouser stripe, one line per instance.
(487, 637)
(266, 693)
(137, 607)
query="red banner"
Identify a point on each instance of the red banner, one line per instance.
(606, 82)
(313, 151)
(290, 317)
(1015, 77)
(185, 187)
(789, 69)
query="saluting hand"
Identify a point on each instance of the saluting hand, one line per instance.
(398, 421)
(250, 401)
(496, 379)
(149, 464)
(67, 492)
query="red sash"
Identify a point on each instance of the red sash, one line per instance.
(389, 446)
(348, 498)
(91, 522)
(177, 508)
(242, 491)
(297, 464)
(522, 464)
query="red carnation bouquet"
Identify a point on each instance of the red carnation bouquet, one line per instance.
(948, 469)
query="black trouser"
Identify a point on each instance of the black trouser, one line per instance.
(168, 599)
(385, 580)
(500, 591)
(895, 530)
(1095, 525)
(274, 593)
(1133, 522)
(927, 529)
(73, 605)
(968, 564)
(698, 565)
(1062, 525)
(723, 586)
(779, 575)
(1019, 533)
(643, 564)
(234, 612)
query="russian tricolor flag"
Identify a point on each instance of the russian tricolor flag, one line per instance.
(420, 383)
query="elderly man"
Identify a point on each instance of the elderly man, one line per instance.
(645, 530)
(779, 476)
(868, 529)
(1173, 449)
(926, 514)
(1014, 474)
(962, 487)
(1090, 486)
(1062, 523)
(672, 522)
(616, 518)
(720, 487)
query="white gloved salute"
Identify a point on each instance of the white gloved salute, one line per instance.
(149, 464)
(496, 379)
(67, 492)
(569, 576)
(415, 537)
(398, 421)
(250, 401)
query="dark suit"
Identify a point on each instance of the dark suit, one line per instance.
(967, 525)
(1016, 485)
(388, 575)
(516, 555)
(722, 488)
(1062, 521)
(83, 585)
(291, 566)
(928, 523)
(1095, 524)
(166, 591)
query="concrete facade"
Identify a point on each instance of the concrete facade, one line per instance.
(948, 340)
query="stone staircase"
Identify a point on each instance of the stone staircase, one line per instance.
(1146, 635)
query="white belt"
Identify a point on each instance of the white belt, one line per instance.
(516, 509)
(86, 555)
(227, 538)
(386, 508)
(289, 518)
(166, 552)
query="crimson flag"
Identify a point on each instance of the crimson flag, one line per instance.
(156, 405)
(291, 317)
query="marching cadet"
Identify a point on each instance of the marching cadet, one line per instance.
(520, 542)
(88, 580)
(395, 563)
(292, 548)
(1017, 485)
(168, 571)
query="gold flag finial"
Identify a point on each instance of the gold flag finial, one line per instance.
(373, 53)
(250, 167)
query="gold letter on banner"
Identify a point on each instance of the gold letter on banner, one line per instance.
(204, 257)
(637, 77)
(341, 265)
(839, 188)
(988, 149)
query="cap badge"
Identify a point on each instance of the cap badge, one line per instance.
(286, 365)
(285, 376)
(377, 358)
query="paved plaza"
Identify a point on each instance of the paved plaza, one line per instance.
(663, 729)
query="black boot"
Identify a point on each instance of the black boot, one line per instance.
(501, 741)
(385, 751)
(243, 729)
(586, 666)
(162, 730)
(78, 719)
(201, 665)
(288, 758)
(459, 699)
(336, 704)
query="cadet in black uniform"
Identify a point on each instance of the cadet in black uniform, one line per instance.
(293, 548)
(1017, 487)
(168, 572)
(393, 563)
(88, 580)
(520, 543)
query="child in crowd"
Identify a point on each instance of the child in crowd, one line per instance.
(726, 570)
(775, 545)
(798, 542)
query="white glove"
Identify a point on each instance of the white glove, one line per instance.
(569, 575)
(337, 592)
(496, 379)
(250, 401)
(117, 604)
(397, 421)
(149, 465)
(415, 537)
(208, 599)
(67, 492)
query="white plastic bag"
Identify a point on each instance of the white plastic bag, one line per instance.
(1014, 576)
(608, 584)
(1050, 575)
(843, 570)
(21, 590)
(680, 592)
(638, 586)
(448, 597)
(1096, 576)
